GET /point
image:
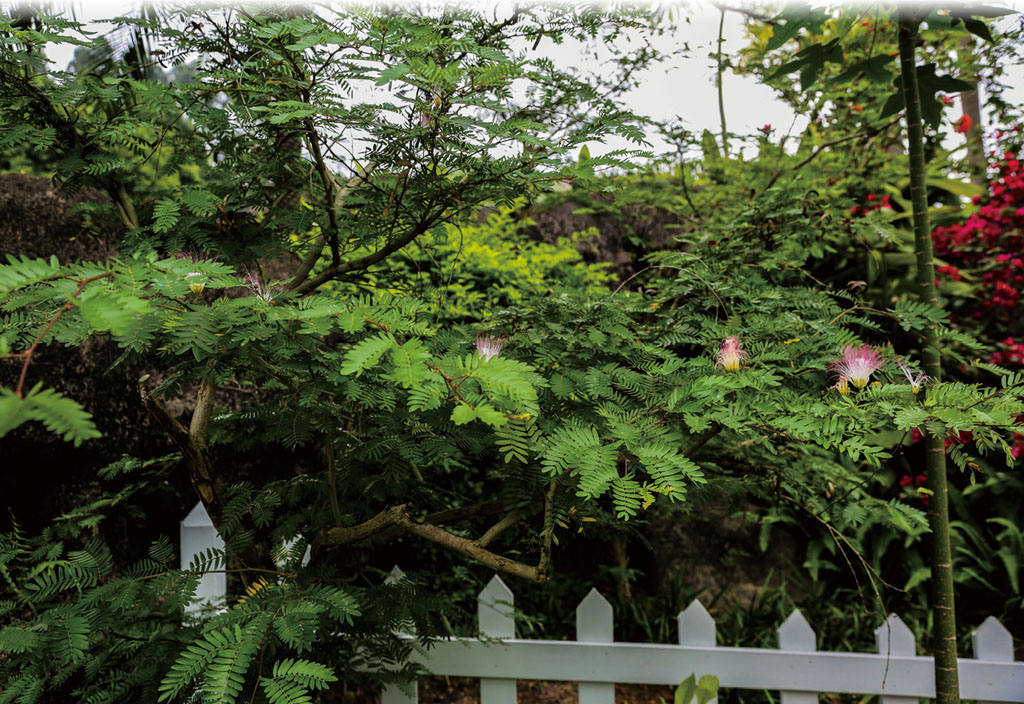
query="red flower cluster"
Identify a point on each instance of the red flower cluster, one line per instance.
(965, 438)
(909, 485)
(1009, 352)
(991, 242)
(870, 202)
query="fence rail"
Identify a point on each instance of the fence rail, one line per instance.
(797, 670)
(594, 660)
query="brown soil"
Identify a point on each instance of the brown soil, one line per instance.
(466, 690)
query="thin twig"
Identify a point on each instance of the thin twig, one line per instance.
(644, 270)
(39, 338)
(233, 570)
(263, 644)
(332, 481)
(825, 145)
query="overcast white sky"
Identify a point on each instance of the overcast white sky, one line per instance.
(683, 87)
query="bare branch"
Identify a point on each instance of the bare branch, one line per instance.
(317, 248)
(380, 529)
(202, 412)
(329, 187)
(699, 440)
(366, 262)
(194, 454)
(332, 480)
(471, 549)
(825, 145)
(498, 528)
(400, 518)
(548, 531)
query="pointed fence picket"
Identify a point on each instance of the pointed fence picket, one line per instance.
(895, 638)
(197, 534)
(992, 642)
(697, 628)
(494, 611)
(594, 624)
(797, 636)
(597, 662)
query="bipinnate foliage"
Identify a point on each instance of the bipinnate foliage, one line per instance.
(598, 404)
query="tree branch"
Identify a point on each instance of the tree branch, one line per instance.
(192, 452)
(330, 201)
(332, 481)
(400, 520)
(366, 262)
(699, 440)
(548, 530)
(378, 528)
(471, 549)
(202, 412)
(825, 145)
(316, 249)
(498, 528)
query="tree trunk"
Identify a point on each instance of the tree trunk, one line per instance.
(947, 690)
(971, 105)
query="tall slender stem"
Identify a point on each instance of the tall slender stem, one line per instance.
(718, 81)
(947, 690)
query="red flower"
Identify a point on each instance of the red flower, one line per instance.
(963, 125)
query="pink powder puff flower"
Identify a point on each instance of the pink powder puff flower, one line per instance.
(916, 380)
(489, 347)
(730, 356)
(262, 290)
(857, 364)
(192, 258)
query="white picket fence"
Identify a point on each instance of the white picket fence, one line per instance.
(796, 669)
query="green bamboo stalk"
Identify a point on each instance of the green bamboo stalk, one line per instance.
(720, 59)
(947, 688)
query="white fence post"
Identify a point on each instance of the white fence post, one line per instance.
(993, 643)
(697, 628)
(494, 614)
(594, 624)
(894, 638)
(198, 534)
(392, 693)
(795, 634)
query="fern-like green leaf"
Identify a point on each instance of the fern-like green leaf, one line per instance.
(367, 353)
(22, 271)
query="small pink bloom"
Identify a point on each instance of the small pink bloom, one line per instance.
(730, 356)
(489, 347)
(916, 380)
(857, 364)
(264, 291)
